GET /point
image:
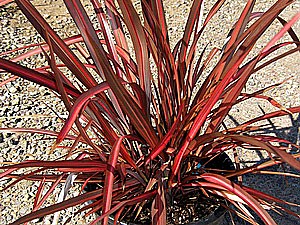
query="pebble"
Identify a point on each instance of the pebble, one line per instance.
(15, 101)
(13, 89)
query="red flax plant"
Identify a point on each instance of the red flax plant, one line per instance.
(151, 128)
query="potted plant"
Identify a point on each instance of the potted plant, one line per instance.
(156, 144)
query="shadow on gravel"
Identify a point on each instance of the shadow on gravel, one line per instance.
(289, 133)
(286, 188)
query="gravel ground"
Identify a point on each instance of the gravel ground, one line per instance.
(23, 104)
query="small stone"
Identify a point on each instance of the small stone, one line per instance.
(14, 141)
(12, 89)
(15, 101)
(22, 211)
(16, 108)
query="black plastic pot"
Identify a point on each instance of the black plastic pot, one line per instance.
(222, 162)
(217, 216)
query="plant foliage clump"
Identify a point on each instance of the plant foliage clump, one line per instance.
(149, 132)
